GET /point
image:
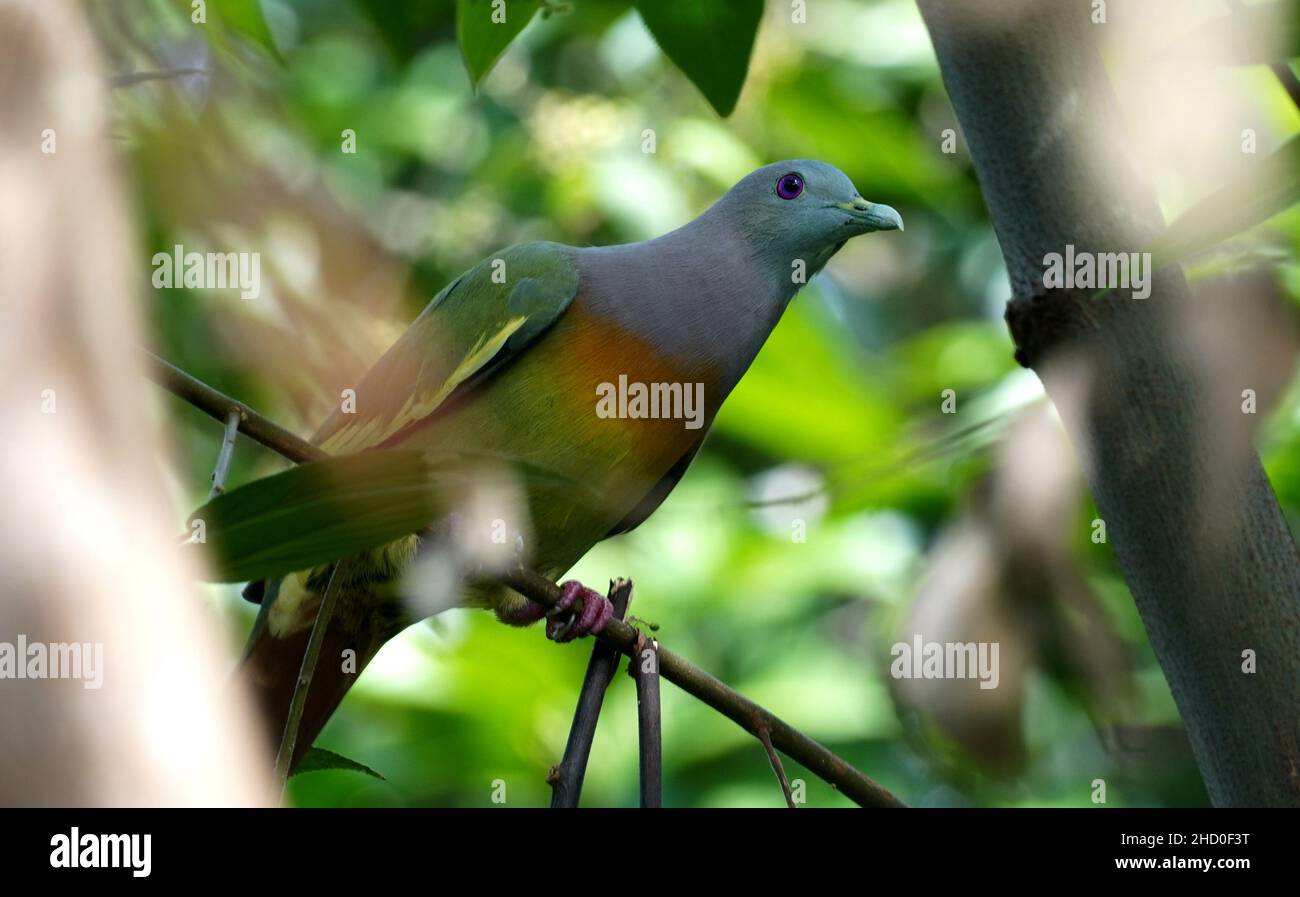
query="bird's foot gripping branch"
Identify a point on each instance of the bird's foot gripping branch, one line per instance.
(772, 732)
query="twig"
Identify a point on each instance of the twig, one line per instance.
(131, 78)
(566, 777)
(324, 613)
(220, 472)
(644, 668)
(1290, 83)
(731, 704)
(775, 759)
(219, 405)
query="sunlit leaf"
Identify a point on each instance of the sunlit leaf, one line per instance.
(709, 40)
(1235, 207)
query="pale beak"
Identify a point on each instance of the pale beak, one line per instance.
(872, 216)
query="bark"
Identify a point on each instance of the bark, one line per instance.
(1167, 451)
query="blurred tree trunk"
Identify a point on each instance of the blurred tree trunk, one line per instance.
(1196, 528)
(88, 550)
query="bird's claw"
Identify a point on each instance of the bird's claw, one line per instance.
(562, 625)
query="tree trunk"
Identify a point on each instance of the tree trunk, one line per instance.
(1194, 524)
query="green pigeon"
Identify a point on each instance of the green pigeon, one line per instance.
(538, 355)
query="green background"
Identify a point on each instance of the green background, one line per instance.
(844, 401)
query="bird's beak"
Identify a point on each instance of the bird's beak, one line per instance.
(872, 216)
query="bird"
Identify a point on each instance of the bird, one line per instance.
(512, 360)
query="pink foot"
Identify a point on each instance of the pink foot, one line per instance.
(563, 626)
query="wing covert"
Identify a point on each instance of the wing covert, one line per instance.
(479, 322)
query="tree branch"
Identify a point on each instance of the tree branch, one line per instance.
(220, 405)
(222, 470)
(736, 707)
(1196, 529)
(566, 777)
(644, 668)
(132, 78)
(775, 759)
(1290, 83)
(731, 704)
(320, 626)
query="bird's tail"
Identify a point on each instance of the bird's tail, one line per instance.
(274, 656)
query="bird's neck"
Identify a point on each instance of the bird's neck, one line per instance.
(739, 263)
(706, 294)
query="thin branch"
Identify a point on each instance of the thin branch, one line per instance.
(1290, 83)
(731, 704)
(775, 759)
(566, 778)
(219, 405)
(876, 471)
(644, 668)
(131, 78)
(222, 470)
(324, 613)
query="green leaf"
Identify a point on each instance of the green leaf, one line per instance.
(1248, 200)
(318, 759)
(246, 17)
(709, 40)
(319, 512)
(485, 30)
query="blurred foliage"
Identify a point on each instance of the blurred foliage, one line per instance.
(836, 434)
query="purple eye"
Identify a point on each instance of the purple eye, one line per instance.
(789, 186)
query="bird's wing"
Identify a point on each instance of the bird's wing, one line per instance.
(478, 323)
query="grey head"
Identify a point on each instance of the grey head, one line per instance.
(712, 290)
(800, 209)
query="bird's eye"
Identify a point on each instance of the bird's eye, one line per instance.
(789, 186)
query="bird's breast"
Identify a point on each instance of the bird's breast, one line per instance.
(620, 389)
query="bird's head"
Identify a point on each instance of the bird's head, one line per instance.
(805, 210)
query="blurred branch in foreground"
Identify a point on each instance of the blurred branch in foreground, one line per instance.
(129, 703)
(756, 720)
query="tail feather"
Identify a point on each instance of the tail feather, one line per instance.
(272, 664)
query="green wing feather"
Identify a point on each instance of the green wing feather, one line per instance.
(478, 323)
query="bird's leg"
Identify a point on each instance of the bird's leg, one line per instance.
(519, 611)
(514, 609)
(562, 625)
